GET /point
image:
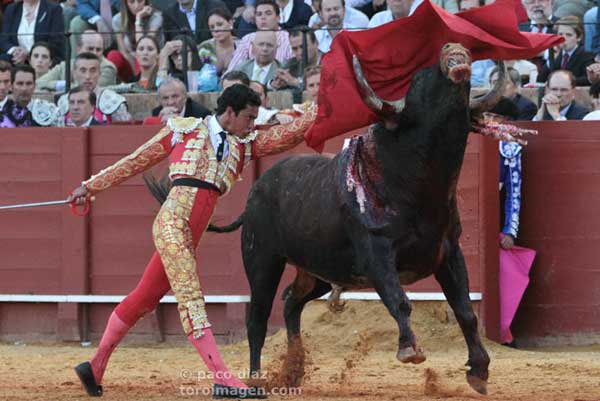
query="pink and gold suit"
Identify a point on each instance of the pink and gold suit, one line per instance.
(185, 214)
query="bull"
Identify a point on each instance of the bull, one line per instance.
(380, 214)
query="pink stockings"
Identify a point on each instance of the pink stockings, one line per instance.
(143, 299)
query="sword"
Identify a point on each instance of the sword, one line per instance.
(74, 210)
(37, 204)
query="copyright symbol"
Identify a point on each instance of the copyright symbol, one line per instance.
(185, 374)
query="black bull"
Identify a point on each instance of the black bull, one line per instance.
(304, 211)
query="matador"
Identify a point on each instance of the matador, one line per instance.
(206, 157)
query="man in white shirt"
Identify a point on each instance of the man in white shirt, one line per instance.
(332, 13)
(352, 17)
(263, 67)
(396, 9)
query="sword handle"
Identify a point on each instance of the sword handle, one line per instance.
(85, 211)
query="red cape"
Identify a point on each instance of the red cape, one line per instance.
(392, 53)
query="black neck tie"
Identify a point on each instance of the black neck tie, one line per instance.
(221, 147)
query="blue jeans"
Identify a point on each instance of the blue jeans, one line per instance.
(590, 25)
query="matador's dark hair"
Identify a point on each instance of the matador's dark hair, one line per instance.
(237, 96)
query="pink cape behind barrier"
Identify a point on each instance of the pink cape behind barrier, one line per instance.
(515, 265)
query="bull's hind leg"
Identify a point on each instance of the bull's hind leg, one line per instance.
(453, 278)
(264, 273)
(382, 273)
(304, 289)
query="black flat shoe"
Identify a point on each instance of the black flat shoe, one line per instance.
(86, 375)
(221, 391)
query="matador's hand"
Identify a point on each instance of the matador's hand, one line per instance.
(79, 195)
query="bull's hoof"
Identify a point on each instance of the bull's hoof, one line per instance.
(411, 355)
(477, 383)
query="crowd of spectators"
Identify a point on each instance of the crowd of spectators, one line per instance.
(140, 46)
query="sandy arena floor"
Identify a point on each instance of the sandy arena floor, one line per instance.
(351, 357)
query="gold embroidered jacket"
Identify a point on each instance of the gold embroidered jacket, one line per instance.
(187, 143)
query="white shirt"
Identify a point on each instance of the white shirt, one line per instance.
(3, 102)
(26, 30)
(594, 115)
(213, 131)
(191, 15)
(324, 37)
(286, 12)
(382, 17)
(352, 17)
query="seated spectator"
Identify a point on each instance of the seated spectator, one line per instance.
(594, 96)
(174, 102)
(188, 17)
(29, 21)
(16, 113)
(293, 13)
(110, 106)
(146, 55)
(267, 18)
(219, 49)
(89, 42)
(541, 20)
(265, 114)
(5, 83)
(572, 56)
(41, 58)
(170, 60)
(91, 16)
(312, 78)
(540, 16)
(291, 75)
(332, 14)
(137, 18)
(81, 108)
(234, 77)
(263, 67)
(396, 9)
(352, 17)
(261, 89)
(558, 104)
(526, 109)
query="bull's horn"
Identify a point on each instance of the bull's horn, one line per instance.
(490, 99)
(374, 102)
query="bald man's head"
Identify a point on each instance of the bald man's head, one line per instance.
(265, 47)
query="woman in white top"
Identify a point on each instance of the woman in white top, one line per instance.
(29, 21)
(137, 18)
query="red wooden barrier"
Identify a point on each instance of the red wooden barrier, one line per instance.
(47, 251)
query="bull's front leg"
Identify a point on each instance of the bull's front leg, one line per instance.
(382, 272)
(452, 276)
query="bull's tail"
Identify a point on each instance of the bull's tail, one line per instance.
(158, 188)
(227, 229)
